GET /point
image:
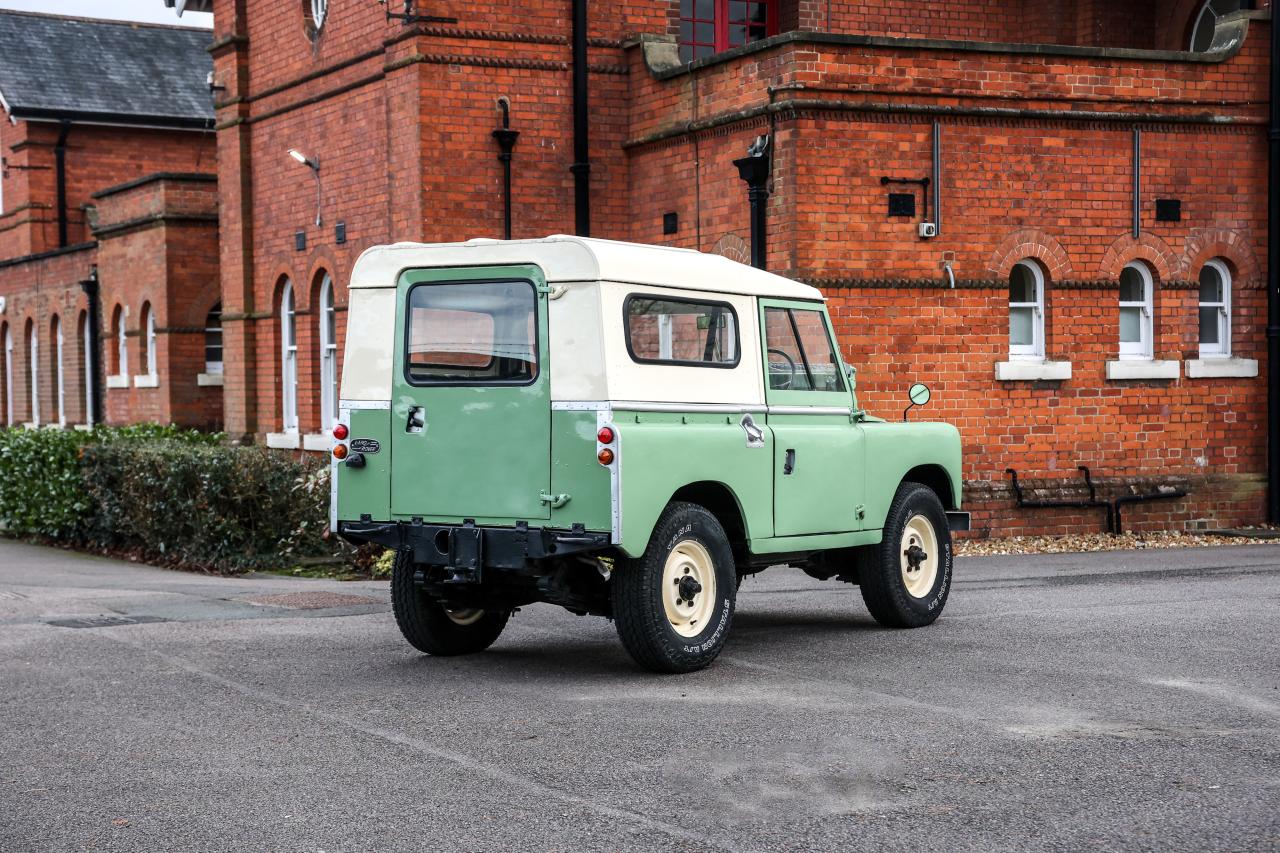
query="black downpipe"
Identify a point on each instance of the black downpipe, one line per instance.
(754, 169)
(581, 167)
(60, 166)
(94, 323)
(506, 138)
(1273, 283)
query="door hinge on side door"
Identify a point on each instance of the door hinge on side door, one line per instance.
(556, 501)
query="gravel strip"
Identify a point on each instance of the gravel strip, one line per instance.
(1098, 542)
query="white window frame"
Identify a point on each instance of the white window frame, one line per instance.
(1144, 347)
(288, 361)
(328, 356)
(122, 345)
(149, 341)
(88, 369)
(1035, 350)
(319, 13)
(34, 354)
(8, 376)
(214, 368)
(1222, 349)
(59, 371)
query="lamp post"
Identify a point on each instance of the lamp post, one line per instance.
(312, 163)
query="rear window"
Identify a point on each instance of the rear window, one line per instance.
(472, 333)
(681, 331)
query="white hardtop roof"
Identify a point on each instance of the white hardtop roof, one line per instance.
(565, 258)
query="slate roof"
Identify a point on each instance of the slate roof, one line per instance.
(55, 67)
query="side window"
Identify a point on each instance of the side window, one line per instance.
(1026, 310)
(800, 356)
(681, 331)
(1135, 311)
(1215, 309)
(472, 333)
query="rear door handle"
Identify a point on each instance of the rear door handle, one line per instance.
(417, 419)
(789, 463)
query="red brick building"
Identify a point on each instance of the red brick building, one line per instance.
(108, 179)
(1090, 289)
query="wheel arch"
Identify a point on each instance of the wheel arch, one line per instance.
(721, 501)
(937, 479)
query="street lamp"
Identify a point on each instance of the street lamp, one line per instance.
(312, 163)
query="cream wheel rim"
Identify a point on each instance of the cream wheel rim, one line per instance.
(919, 556)
(689, 588)
(464, 616)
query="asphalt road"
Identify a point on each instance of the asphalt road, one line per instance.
(1125, 701)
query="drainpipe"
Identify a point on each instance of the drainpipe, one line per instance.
(94, 295)
(1273, 282)
(581, 167)
(506, 138)
(60, 166)
(754, 169)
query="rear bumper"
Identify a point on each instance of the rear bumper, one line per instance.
(467, 548)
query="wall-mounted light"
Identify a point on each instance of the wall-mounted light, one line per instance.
(212, 81)
(312, 163)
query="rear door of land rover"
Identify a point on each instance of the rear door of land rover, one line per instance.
(470, 410)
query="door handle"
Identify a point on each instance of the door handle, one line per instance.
(789, 463)
(417, 419)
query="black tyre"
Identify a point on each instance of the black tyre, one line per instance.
(431, 628)
(905, 579)
(674, 605)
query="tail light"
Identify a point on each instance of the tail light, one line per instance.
(340, 431)
(605, 435)
(605, 456)
(339, 451)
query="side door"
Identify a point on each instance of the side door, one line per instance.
(471, 411)
(818, 467)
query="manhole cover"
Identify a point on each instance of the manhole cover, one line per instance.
(104, 621)
(309, 600)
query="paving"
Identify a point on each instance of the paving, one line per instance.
(1120, 701)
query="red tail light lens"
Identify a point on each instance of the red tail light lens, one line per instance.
(340, 431)
(605, 435)
(605, 456)
(339, 451)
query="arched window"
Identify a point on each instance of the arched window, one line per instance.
(120, 360)
(1215, 309)
(711, 26)
(86, 353)
(288, 360)
(60, 387)
(1206, 21)
(1026, 310)
(33, 380)
(213, 340)
(8, 375)
(328, 356)
(149, 367)
(319, 11)
(1136, 311)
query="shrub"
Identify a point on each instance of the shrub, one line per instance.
(41, 492)
(228, 508)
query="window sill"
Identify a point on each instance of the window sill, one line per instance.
(146, 382)
(209, 380)
(1213, 368)
(117, 381)
(317, 441)
(83, 427)
(283, 440)
(1023, 371)
(1141, 368)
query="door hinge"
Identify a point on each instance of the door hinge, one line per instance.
(556, 501)
(860, 511)
(553, 291)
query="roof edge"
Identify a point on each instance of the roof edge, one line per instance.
(114, 119)
(111, 21)
(189, 177)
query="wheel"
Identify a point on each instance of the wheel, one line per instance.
(674, 604)
(431, 627)
(906, 578)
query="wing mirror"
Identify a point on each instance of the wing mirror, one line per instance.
(919, 395)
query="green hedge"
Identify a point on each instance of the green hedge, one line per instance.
(180, 495)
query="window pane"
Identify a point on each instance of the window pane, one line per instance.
(706, 10)
(704, 33)
(686, 32)
(1131, 325)
(689, 333)
(1132, 287)
(1210, 284)
(824, 368)
(786, 367)
(1022, 327)
(1022, 284)
(737, 35)
(472, 333)
(1209, 327)
(737, 11)
(686, 8)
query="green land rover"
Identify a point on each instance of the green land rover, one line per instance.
(621, 430)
